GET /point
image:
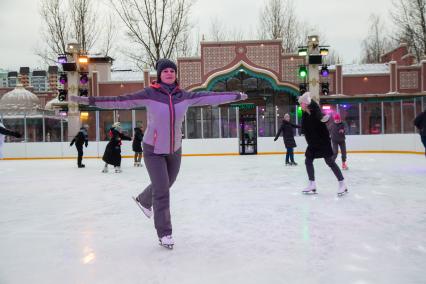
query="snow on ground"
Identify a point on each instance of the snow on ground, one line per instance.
(236, 219)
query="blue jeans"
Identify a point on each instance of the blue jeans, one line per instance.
(289, 156)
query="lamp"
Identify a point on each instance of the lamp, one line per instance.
(62, 96)
(302, 88)
(84, 78)
(303, 51)
(62, 58)
(324, 71)
(325, 88)
(303, 71)
(63, 79)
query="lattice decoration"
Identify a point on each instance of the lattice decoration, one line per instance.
(267, 56)
(409, 80)
(217, 57)
(290, 69)
(190, 73)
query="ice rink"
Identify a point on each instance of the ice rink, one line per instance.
(236, 219)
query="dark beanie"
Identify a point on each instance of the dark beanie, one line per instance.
(163, 64)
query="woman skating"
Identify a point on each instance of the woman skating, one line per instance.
(166, 106)
(319, 145)
(112, 154)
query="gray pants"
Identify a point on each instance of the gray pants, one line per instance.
(335, 145)
(162, 170)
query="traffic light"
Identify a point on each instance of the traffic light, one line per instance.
(303, 71)
(63, 79)
(325, 88)
(84, 78)
(303, 87)
(62, 96)
(324, 71)
(83, 92)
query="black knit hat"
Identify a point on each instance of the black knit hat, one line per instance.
(163, 64)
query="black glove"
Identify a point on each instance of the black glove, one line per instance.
(72, 143)
(275, 139)
(86, 143)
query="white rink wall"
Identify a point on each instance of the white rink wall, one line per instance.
(388, 142)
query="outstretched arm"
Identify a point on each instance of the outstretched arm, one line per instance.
(278, 133)
(8, 132)
(137, 99)
(214, 98)
(295, 125)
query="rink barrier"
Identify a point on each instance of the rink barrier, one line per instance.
(364, 144)
(221, 154)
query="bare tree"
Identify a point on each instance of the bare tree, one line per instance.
(154, 26)
(376, 42)
(56, 32)
(85, 29)
(217, 30)
(65, 21)
(278, 21)
(110, 33)
(409, 16)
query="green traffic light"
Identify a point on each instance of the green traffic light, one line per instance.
(303, 72)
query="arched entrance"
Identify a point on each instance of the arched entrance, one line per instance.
(260, 115)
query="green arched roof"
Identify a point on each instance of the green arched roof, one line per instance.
(235, 72)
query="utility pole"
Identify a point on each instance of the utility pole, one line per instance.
(313, 53)
(73, 79)
(314, 58)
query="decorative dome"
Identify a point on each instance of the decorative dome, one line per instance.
(19, 101)
(49, 104)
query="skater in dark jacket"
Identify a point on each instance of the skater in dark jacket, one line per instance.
(319, 145)
(79, 140)
(6, 132)
(137, 145)
(166, 106)
(112, 154)
(288, 135)
(420, 123)
(337, 132)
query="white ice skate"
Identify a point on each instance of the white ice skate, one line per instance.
(105, 170)
(342, 190)
(167, 242)
(311, 188)
(146, 211)
(135, 164)
(118, 169)
(139, 164)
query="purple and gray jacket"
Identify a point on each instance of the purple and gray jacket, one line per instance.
(165, 111)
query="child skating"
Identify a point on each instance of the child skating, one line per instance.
(288, 135)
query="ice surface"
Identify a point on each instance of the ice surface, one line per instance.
(236, 219)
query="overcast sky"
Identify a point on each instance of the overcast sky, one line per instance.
(344, 23)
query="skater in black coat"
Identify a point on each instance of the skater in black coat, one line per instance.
(112, 154)
(319, 145)
(137, 145)
(80, 139)
(288, 135)
(420, 123)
